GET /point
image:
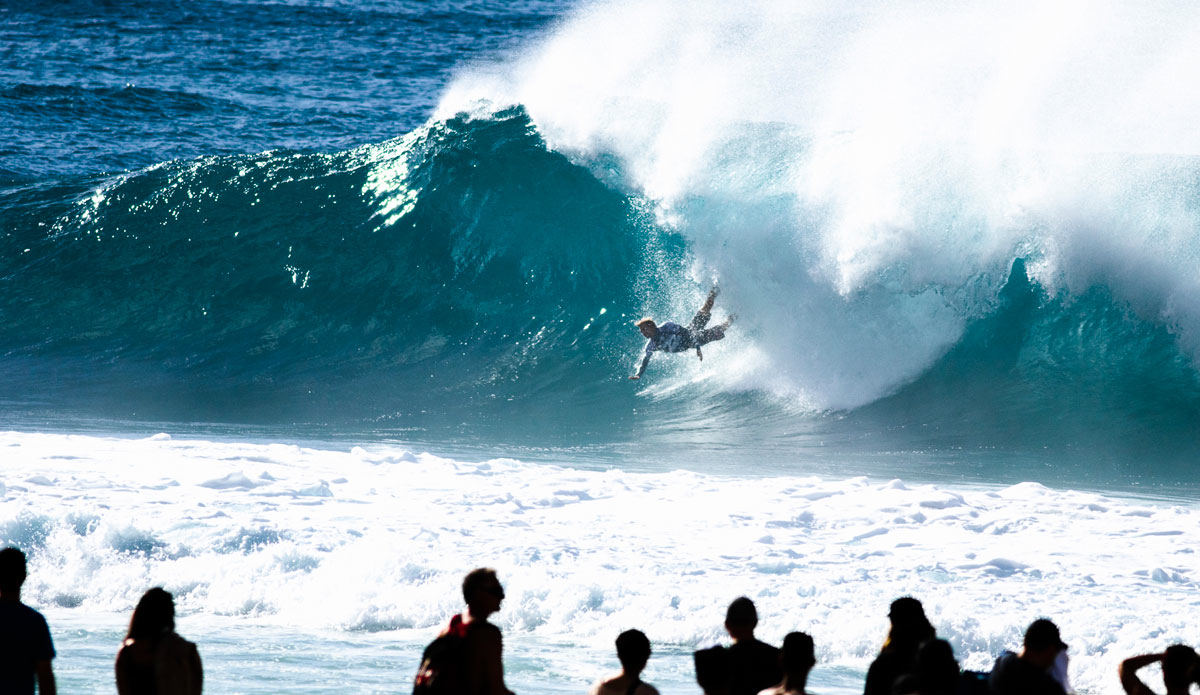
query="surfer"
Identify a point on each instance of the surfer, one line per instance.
(671, 337)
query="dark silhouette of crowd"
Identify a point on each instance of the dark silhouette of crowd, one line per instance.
(466, 658)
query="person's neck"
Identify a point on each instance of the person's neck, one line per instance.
(1036, 658)
(739, 636)
(11, 596)
(475, 614)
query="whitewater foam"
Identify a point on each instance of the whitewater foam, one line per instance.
(861, 178)
(377, 537)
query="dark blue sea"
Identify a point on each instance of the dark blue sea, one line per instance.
(241, 238)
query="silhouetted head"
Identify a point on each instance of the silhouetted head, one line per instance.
(741, 618)
(910, 627)
(1042, 643)
(12, 570)
(482, 591)
(154, 615)
(647, 327)
(797, 656)
(1181, 666)
(935, 669)
(712, 670)
(633, 650)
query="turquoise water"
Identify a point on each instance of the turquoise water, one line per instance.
(311, 306)
(412, 257)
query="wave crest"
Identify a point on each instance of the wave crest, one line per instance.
(467, 276)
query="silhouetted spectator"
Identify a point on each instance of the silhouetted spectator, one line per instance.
(898, 656)
(25, 645)
(484, 646)
(1180, 668)
(935, 671)
(712, 670)
(753, 665)
(1029, 672)
(633, 651)
(796, 659)
(153, 659)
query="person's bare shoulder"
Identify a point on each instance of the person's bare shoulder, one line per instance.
(485, 633)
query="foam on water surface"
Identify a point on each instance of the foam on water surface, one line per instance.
(376, 539)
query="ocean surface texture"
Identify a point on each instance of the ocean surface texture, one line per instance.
(311, 306)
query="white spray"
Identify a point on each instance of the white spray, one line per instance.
(861, 176)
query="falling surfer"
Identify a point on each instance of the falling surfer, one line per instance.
(671, 337)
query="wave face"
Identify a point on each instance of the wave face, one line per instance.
(431, 268)
(979, 243)
(979, 219)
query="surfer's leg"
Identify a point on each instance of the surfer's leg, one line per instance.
(700, 320)
(709, 335)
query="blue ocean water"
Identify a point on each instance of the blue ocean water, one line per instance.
(250, 213)
(93, 88)
(960, 244)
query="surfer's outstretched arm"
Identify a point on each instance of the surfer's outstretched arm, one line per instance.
(642, 367)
